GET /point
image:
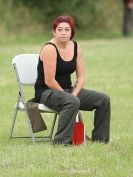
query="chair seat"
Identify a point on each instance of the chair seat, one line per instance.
(41, 107)
(44, 108)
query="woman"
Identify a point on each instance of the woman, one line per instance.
(59, 58)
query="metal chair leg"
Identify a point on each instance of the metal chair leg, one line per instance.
(13, 123)
(30, 128)
(53, 125)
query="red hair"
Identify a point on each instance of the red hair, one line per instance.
(67, 19)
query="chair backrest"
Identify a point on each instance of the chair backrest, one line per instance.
(25, 66)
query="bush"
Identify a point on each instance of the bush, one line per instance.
(36, 16)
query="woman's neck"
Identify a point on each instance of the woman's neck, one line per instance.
(61, 45)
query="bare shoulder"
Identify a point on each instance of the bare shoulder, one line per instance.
(48, 51)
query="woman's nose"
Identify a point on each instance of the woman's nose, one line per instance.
(63, 32)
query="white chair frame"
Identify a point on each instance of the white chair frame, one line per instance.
(25, 66)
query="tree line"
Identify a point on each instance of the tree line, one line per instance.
(30, 15)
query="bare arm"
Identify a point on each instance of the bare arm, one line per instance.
(48, 56)
(79, 73)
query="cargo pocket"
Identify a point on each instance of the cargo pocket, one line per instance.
(56, 100)
(45, 97)
(52, 99)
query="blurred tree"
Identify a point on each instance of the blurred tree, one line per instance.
(90, 15)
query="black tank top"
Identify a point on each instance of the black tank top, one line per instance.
(64, 69)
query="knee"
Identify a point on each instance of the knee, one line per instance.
(74, 101)
(106, 99)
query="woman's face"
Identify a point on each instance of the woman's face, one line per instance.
(63, 32)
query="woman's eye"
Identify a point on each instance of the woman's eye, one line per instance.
(66, 29)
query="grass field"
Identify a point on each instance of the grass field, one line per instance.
(109, 69)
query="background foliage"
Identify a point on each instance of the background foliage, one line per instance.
(36, 16)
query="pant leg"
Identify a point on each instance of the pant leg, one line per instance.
(67, 106)
(92, 100)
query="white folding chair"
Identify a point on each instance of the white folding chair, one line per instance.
(25, 66)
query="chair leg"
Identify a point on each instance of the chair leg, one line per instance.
(13, 123)
(30, 128)
(53, 125)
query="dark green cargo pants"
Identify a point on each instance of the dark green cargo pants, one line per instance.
(68, 105)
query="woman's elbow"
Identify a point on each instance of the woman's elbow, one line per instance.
(49, 82)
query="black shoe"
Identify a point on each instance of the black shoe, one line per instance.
(100, 139)
(55, 142)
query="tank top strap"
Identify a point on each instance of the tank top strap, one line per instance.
(58, 54)
(75, 49)
(54, 46)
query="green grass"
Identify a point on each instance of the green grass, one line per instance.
(109, 68)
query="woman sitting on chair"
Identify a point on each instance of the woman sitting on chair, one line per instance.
(58, 59)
